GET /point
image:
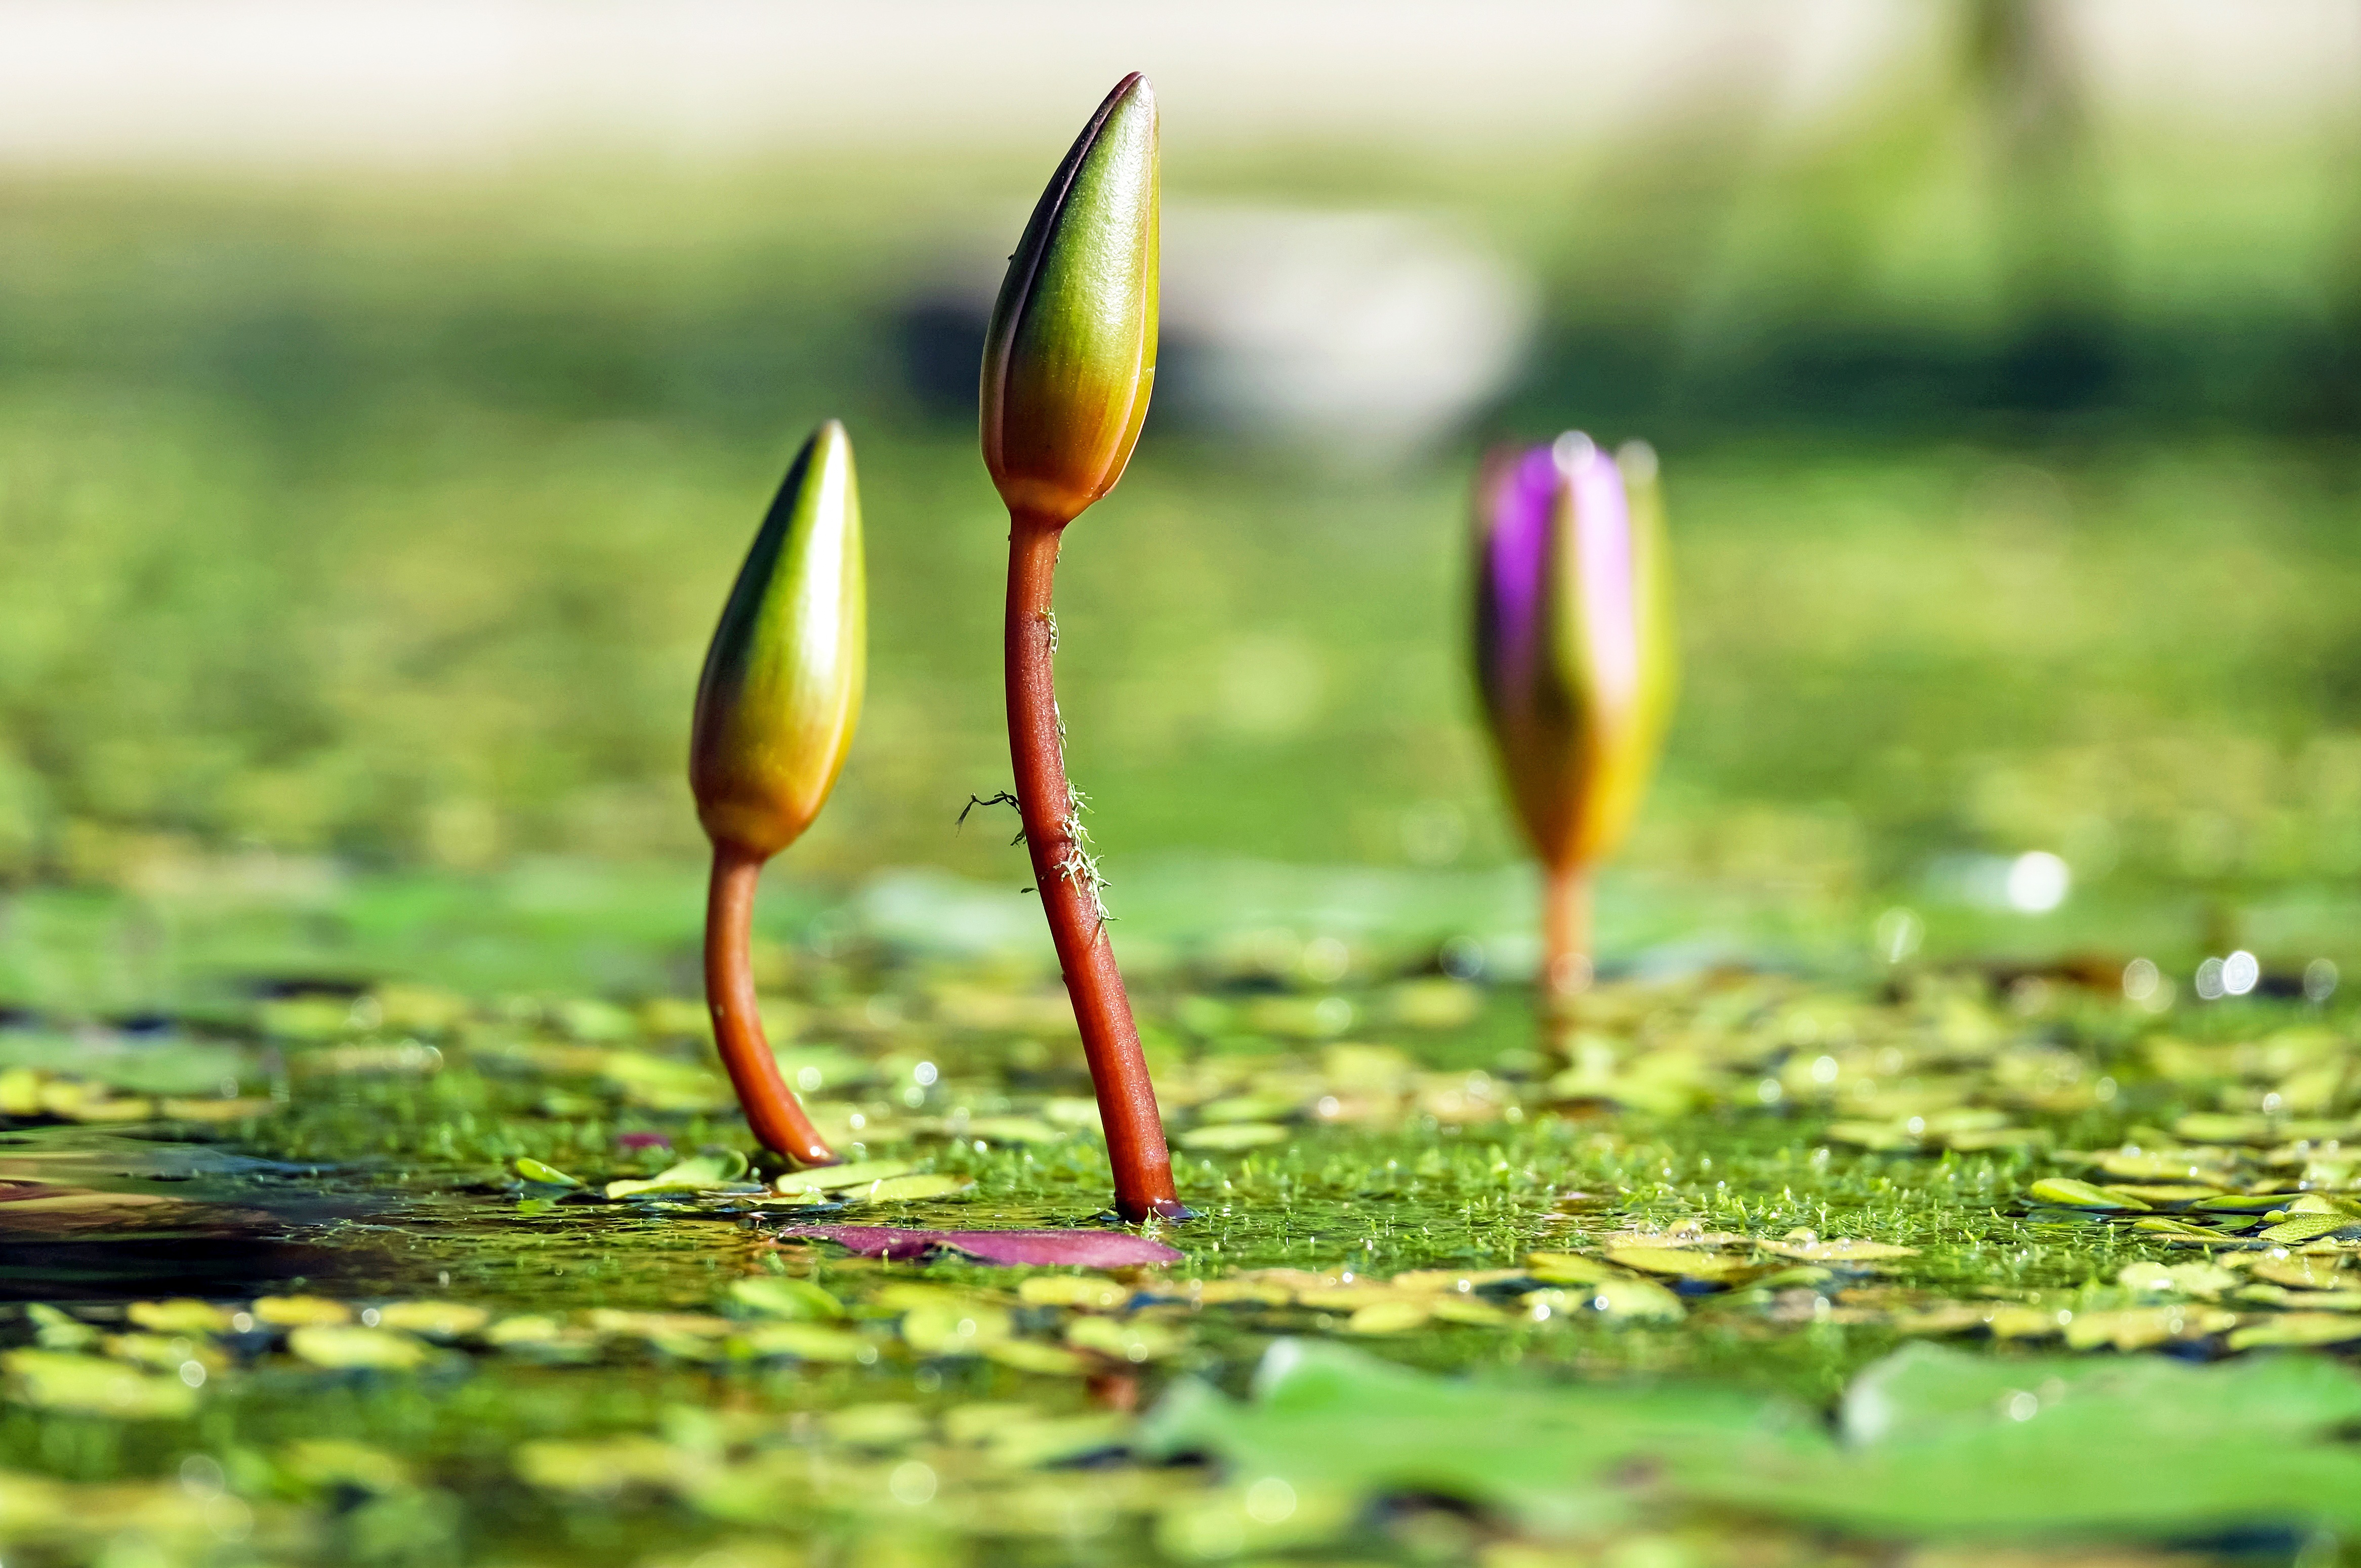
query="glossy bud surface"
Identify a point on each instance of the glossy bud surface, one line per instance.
(780, 691)
(1070, 358)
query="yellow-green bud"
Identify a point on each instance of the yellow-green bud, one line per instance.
(1070, 357)
(780, 691)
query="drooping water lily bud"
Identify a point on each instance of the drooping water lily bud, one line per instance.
(780, 691)
(1573, 639)
(1070, 357)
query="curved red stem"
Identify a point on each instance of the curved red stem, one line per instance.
(772, 1108)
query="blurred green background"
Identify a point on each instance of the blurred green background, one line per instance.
(361, 527)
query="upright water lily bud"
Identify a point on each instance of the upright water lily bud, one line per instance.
(1575, 661)
(775, 710)
(781, 691)
(1070, 357)
(1067, 369)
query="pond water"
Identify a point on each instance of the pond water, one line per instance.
(1956, 1263)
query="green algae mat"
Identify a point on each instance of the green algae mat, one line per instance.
(1954, 1266)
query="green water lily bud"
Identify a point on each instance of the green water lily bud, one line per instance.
(1070, 357)
(780, 691)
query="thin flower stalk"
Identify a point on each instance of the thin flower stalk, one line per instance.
(776, 707)
(1576, 667)
(1069, 364)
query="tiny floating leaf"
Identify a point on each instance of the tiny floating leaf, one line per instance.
(546, 1175)
(909, 1188)
(2301, 1228)
(1084, 1249)
(837, 1178)
(2065, 1193)
(699, 1173)
(776, 1297)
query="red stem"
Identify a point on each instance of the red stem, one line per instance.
(772, 1108)
(1134, 1132)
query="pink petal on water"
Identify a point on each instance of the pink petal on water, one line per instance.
(1086, 1249)
(637, 1141)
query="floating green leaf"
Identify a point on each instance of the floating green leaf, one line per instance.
(909, 1188)
(2298, 1229)
(837, 1177)
(2065, 1193)
(699, 1173)
(546, 1175)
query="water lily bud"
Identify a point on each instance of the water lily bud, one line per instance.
(780, 691)
(1574, 638)
(1070, 356)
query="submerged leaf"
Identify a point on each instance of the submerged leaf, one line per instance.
(2300, 1329)
(59, 1380)
(351, 1347)
(300, 1312)
(435, 1319)
(180, 1316)
(1133, 1339)
(1391, 1317)
(1084, 1249)
(779, 1296)
(2307, 1272)
(1026, 1355)
(1086, 1292)
(807, 1342)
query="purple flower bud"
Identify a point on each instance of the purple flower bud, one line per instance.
(1574, 640)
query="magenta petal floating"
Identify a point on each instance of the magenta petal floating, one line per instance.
(1084, 1249)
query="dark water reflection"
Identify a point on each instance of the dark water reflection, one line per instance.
(95, 1215)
